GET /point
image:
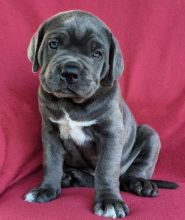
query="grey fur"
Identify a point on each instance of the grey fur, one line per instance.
(118, 153)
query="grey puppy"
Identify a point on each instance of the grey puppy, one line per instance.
(90, 136)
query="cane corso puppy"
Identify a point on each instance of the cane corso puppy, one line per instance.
(90, 136)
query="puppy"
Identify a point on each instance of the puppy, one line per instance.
(89, 135)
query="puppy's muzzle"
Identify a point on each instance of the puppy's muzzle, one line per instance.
(70, 72)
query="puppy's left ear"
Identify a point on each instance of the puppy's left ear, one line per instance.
(116, 63)
(33, 48)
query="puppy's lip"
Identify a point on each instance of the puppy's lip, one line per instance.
(58, 93)
(68, 93)
(61, 94)
(81, 99)
(78, 100)
(74, 96)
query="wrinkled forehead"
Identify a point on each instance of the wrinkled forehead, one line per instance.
(79, 26)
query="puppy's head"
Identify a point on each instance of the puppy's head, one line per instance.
(77, 55)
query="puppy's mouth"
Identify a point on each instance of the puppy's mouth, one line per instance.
(65, 93)
(68, 92)
(75, 97)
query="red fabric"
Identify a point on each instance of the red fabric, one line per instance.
(76, 203)
(151, 35)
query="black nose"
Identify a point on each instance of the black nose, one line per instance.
(71, 72)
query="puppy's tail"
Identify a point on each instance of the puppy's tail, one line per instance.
(165, 184)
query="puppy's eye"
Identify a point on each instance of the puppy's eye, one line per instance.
(97, 54)
(53, 44)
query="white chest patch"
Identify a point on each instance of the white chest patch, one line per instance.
(73, 129)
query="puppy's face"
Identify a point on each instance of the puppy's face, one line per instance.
(76, 54)
(74, 57)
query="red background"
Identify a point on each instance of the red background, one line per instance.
(152, 38)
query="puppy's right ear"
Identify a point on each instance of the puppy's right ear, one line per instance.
(33, 48)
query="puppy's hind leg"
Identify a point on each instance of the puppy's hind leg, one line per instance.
(137, 178)
(77, 178)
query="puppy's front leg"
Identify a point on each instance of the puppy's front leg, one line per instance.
(50, 186)
(108, 201)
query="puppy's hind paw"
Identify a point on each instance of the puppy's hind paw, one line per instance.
(139, 186)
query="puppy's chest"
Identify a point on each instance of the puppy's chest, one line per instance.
(71, 129)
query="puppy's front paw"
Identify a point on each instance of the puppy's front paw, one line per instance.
(111, 208)
(41, 195)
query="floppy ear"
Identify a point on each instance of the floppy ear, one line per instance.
(34, 46)
(116, 64)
